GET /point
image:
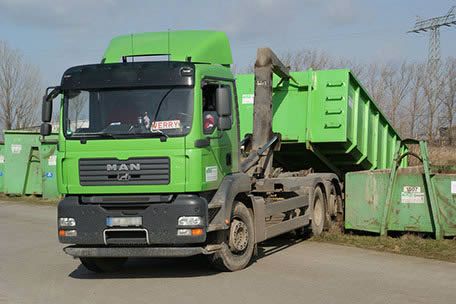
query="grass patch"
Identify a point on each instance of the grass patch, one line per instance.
(29, 199)
(413, 245)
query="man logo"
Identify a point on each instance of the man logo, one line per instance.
(123, 167)
(123, 177)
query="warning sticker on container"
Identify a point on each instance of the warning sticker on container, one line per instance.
(166, 124)
(211, 174)
(453, 187)
(2, 159)
(412, 195)
(16, 149)
(52, 160)
(247, 98)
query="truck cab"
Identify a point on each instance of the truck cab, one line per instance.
(144, 145)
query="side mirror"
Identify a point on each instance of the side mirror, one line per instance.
(223, 108)
(46, 113)
(223, 101)
(46, 129)
(224, 123)
(46, 109)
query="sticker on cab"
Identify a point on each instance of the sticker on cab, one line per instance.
(166, 125)
(52, 160)
(16, 149)
(211, 174)
(247, 99)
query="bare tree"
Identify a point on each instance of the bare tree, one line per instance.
(374, 83)
(449, 98)
(415, 106)
(20, 90)
(432, 96)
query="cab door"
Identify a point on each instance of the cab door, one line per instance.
(221, 157)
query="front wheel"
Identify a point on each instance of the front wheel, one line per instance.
(239, 241)
(101, 265)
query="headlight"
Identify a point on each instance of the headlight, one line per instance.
(189, 221)
(67, 222)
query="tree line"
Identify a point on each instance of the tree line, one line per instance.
(20, 90)
(416, 106)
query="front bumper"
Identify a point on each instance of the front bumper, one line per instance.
(159, 221)
(138, 252)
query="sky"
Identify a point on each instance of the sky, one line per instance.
(55, 35)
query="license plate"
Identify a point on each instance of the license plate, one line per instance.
(135, 221)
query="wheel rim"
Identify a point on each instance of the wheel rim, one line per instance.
(317, 216)
(239, 236)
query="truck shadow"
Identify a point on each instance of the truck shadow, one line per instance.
(278, 244)
(196, 266)
(152, 268)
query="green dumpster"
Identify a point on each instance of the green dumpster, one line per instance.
(48, 156)
(415, 199)
(2, 165)
(327, 122)
(30, 165)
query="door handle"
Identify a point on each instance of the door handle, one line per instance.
(228, 159)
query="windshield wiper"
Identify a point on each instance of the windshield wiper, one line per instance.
(153, 133)
(146, 133)
(94, 134)
(163, 135)
(161, 102)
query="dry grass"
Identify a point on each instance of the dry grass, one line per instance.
(440, 156)
(444, 250)
(28, 199)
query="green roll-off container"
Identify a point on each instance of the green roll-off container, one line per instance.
(418, 199)
(30, 166)
(2, 166)
(327, 121)
(410, 205)
(48, 156)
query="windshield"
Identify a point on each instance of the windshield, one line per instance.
(132, 112)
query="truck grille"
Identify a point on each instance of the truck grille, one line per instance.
(134, 171)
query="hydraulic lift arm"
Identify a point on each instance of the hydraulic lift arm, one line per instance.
(264, 141)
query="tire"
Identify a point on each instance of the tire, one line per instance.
(331, 208)
(102, 265)
(318, 212)
(238, 243)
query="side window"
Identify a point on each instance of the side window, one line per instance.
(209, 113)
(78, 111)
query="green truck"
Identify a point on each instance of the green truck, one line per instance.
(163, 152)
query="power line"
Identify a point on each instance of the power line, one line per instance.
(433, 25)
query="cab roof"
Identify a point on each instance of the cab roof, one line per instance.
(195, 46)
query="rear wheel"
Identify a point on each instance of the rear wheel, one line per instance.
(238, 243)
(318, 212)
(101, 265)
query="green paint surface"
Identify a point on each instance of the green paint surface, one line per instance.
(330, 110)
(2, 166)
(410, 209)
(200, 46)
(29, 166)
